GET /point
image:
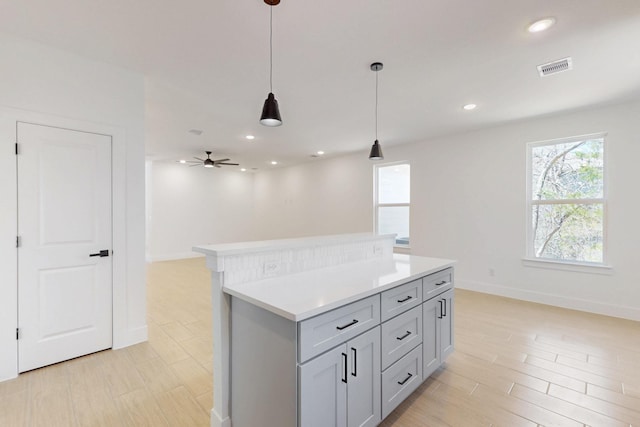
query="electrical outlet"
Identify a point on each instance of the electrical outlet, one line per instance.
(271, 267)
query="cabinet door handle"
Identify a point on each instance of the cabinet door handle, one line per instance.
(405, 380)
(404, 336)
(354, 371)
(103, 253)
(441, 283)
(347, 325)
(344, 365)
(440, 316)
(405, 299)
(445, 308)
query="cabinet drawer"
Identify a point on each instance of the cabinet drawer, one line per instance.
(400, 299)
(436, 283)
(401, 334)
(401, 379)
(325, 331)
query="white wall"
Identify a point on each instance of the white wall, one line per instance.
(52, 87)
(331, 196)
(191, 206)
(468, 203)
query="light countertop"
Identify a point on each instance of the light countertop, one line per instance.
(303, 295)
(240, 248)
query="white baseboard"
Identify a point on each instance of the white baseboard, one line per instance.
(217, 421)
(623, 312)
(173, 257)
(134, 336)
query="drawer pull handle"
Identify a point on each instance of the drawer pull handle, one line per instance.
(441, 283)
(405, 380)
(405, 299)
(404, 336)
(344, 370)
(347, 325)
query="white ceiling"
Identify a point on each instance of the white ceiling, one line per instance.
(206, 65)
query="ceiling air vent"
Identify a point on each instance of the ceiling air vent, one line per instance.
(555, 67)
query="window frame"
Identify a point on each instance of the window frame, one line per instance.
(377, 205)
(570, 265)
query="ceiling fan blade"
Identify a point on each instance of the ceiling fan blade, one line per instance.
(197, 164)
(221, 160)
(229, 164)
(198, 158)
(217, 165)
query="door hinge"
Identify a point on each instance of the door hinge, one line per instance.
(18, 241)
(17, 333)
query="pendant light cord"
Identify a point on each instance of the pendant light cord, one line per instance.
(376, 105)
(271, 49)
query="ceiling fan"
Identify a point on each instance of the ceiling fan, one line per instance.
(208, 163)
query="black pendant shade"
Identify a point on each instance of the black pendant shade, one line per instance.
(376, 152)
(376, 149)
(270, 112)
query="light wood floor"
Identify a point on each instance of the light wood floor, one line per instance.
(515, 364)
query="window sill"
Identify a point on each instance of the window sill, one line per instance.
(568, 266)
(402, 249)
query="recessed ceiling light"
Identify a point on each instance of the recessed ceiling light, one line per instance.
(541, 25)
(195, 132)
(274, 162)
(250, 137)
(320, 153)
(183, 161)
(243, 170)
(470, 107)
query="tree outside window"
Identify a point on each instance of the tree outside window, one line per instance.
(566, 200)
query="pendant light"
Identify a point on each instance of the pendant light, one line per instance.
(376, 150)
(270, 111)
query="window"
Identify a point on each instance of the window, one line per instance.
(566, 200)
(392, 197)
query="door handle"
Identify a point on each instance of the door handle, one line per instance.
(354, 371)
(103, 253)
(344, 367)
(441, 314)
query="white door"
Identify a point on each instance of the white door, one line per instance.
(64, 217)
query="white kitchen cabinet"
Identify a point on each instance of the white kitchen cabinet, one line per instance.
(323, 392)
(363, 381)
(430, 331)
(446, 325)
(342, 386)
(437, 315)
(283, 305)
(401, 379)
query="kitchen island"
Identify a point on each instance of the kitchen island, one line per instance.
(331, 330)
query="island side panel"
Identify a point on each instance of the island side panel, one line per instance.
(263, 367)
(220, 310)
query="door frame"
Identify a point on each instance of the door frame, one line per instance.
(122, 336)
